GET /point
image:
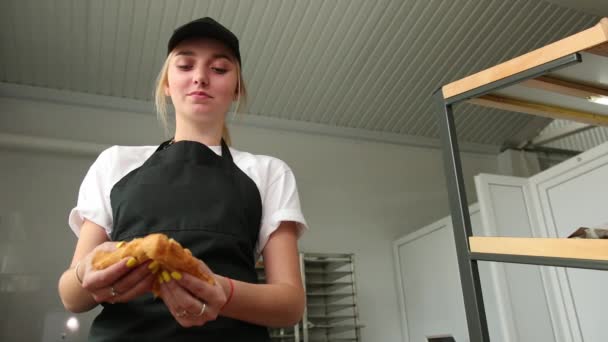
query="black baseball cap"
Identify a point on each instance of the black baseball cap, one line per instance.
(205, 27)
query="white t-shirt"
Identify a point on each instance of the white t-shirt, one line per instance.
(274, 179)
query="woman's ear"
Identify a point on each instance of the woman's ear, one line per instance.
(167, 92)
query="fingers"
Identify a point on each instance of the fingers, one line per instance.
(96, 279)
(204, 267)
(213, 295)
(109, 246)
(172, 304)
(133, 277)
(134, 284)
(187, 309)
(184, 317)
(120, 282)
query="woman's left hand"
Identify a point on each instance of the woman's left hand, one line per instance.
(192, 301)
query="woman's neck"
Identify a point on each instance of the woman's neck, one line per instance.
(210, 135)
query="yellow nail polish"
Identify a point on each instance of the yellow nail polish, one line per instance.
(166, 276)
(160, 279)
(131, 262)
(176, 275)
(120, 244)
(153, 266)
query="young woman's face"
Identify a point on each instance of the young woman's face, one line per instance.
(202, 80)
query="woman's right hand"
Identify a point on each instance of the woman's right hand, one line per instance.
(118, 283)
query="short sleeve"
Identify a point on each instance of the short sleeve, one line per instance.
(94, 197)
(280, 203)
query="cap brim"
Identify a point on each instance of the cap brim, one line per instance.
(204, 30)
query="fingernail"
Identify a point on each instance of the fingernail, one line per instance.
(160, 279)
(120, 244)
(153, 266)
(176, 275)
(166, 276)
(131, 262)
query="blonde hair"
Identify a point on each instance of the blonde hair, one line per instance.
(160, 99)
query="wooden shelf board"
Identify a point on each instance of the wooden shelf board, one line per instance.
(539, 109)
(565, 87)
(600, 50)
(585, 249)
(586, 40)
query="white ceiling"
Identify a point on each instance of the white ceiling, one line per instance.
(594, 7)
(369, 67)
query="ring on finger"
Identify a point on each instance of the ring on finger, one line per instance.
(113, 291)
(202, 310)
(181, 314)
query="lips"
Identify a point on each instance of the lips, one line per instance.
(200, 95)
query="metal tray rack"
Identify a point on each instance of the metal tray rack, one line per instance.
(331, 311)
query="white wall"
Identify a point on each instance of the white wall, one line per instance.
(40, 188)
(358, 196)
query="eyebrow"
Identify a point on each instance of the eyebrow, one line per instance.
(214, 56)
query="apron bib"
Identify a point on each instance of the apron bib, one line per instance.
(207, 204)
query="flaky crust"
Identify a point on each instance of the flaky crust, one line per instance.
(168, 253)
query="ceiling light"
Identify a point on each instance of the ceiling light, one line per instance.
(601, 99)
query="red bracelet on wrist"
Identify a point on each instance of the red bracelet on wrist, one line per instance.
(230, 294)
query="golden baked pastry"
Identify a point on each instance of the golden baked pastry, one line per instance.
(169, 255)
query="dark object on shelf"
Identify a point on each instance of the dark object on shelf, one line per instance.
(443, 338)
(589, 233)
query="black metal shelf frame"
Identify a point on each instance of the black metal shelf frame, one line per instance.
(467, 261)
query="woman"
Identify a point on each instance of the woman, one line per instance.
(227, 206)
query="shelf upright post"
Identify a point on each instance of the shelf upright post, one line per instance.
(326, 300)
(304, 321)
(461, 222)
(354, 292)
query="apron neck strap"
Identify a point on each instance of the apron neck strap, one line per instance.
(164, 145)
(226, 155)
(226, 152)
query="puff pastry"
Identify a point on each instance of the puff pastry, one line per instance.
(169, 255)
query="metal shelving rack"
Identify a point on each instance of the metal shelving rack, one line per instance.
(331, 296)
(331, 300)
(488, 88)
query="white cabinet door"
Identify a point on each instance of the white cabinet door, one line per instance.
(520, 292)
(429, 284)
(570, 195)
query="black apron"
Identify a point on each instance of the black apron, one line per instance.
(204, 201)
